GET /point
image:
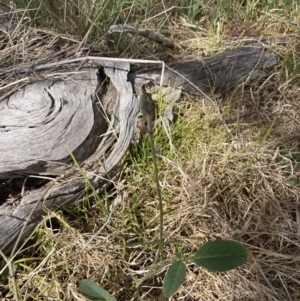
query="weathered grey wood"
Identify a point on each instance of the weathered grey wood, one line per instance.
(217, 72)
(78, 108)
(39, 122)
(69, 188)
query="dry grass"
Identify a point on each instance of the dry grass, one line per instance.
(218, 180)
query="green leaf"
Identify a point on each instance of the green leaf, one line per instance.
(179, 255)
(5, 274)
(94, 292)
(220, 255)
(174, 278)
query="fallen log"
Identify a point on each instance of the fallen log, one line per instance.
(76, 134)
(215, 73)
(87, 108)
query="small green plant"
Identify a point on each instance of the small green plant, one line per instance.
(218, 255)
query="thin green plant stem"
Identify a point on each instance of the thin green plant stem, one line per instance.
(146, 105)
(160, 204)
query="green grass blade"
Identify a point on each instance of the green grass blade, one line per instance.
(174, 278)
(220, 255)
(90, 185)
